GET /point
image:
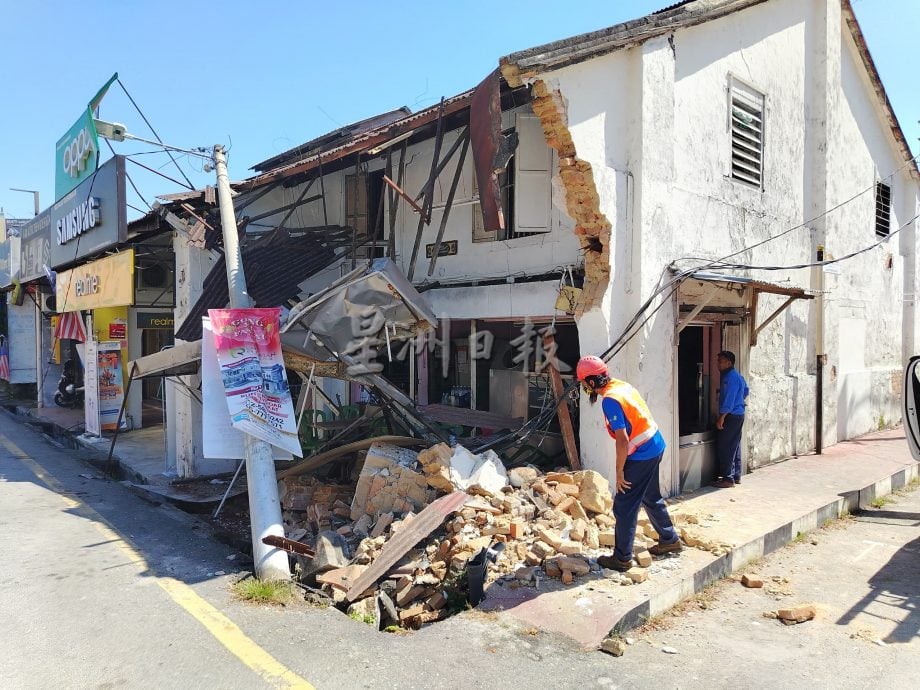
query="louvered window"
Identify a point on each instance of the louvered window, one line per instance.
(747, 133)
(882, 209)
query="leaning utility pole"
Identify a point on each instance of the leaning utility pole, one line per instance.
(264, 506)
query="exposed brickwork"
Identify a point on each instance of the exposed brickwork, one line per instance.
(581, 198)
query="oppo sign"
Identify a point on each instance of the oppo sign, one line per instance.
(76, 154)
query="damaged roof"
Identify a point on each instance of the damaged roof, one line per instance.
(332, 139)
(275, 267)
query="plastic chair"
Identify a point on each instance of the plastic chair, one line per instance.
(309, 435)
(349, 412)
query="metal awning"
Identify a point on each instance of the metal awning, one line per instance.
(747, 289)
(181, 360)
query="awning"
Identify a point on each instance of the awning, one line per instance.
(745, 289)
(181, 360)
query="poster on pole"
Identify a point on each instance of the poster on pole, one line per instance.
(91, 386)
(220, 440)
(248, 345)
(111, 384)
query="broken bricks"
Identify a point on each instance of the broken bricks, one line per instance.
(797, 614)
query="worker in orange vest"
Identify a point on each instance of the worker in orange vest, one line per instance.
(640, 447)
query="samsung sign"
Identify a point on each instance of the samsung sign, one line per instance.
(87, 220)
(82, 219)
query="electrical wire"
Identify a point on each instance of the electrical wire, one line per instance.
(153, 131)
(883, 240)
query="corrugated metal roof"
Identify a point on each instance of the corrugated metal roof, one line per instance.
(333, 138)
(759, 285)
(364, 141)
(274, 268)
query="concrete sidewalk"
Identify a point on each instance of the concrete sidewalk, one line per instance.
(768, 510)
(140, 454)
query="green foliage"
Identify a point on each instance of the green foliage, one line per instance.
(263, 591)
(882, 501)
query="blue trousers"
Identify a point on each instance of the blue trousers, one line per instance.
(644, 491)
(728, 447)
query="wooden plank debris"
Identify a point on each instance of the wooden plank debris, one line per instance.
(406, 538)
(562, 409)
(322, 458)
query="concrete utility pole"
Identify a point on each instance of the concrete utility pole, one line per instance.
(264, 505)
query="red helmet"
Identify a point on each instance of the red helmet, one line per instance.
(590, 366)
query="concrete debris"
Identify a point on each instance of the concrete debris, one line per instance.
(614, 646)
(797, 614)
(669, 650)
(751, 581)
(393, 541)
(387, 484)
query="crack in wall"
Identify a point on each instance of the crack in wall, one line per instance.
(581, 198)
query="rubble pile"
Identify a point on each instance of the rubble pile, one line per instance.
(526, 525)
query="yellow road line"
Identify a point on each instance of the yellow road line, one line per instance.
(222, 628)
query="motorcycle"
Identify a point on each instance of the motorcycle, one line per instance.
(70, 390)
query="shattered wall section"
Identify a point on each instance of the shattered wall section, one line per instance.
(581, 197)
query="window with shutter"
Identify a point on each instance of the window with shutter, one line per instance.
(747, 132)
(882, 209)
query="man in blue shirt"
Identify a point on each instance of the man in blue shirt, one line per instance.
(733, 392)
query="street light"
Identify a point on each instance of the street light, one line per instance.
(264, 504)
(34, 194)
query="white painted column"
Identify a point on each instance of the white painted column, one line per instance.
(192, 266)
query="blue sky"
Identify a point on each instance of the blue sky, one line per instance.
(263, 77)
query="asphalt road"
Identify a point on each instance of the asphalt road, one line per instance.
(101, 589)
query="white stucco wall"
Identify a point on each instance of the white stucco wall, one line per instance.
(665, 103)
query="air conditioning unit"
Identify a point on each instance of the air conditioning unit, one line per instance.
(48, 304)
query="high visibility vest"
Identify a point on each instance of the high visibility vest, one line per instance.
(641, 425)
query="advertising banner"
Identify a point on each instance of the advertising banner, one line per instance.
(91, 388)
(248, 345)
(220, 439)
(111, 384)
(108, 282)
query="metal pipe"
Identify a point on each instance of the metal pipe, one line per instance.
(264, 505)
(819, 355)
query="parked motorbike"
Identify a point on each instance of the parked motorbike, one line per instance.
(70, 390)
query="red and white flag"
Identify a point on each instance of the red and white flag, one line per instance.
(70, 327)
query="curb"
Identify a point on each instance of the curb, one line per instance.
(740, 556)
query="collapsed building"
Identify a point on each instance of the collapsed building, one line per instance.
(718, 175)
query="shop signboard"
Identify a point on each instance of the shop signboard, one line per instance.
(86, 221)
(220, 439)
(35, 247)
(248, 346)
(108, 282)
(5, 268)
(158, 319)
(118, 330)
(77, 152)
(91, 387)
(111, 384)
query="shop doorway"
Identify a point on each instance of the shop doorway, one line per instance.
(697, 396)
(153, 394)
